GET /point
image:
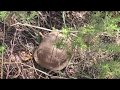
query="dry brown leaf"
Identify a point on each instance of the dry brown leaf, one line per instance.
(25, 56)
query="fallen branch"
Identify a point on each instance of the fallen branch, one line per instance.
(31, 26)
(38, 27)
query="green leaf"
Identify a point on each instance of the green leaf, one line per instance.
(2, 49)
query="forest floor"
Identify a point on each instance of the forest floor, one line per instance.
(19, 36)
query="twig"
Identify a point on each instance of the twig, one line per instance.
(36, 69)
(31, 26)
(12, 44)
(63, 15)
(12, 62)
(39, 27)
(29, 67)
(2, 55)
(57, 77)
(19, 71)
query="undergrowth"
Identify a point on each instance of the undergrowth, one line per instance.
(88, 37)
(100, 33)
(109, 70)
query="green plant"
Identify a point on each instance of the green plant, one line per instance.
(60, 43)
(109, 70)
(100, 22)
(26, 17)
(104, 21)
(111, 47)
(2, 49)
(66, 31)
(3, 15)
